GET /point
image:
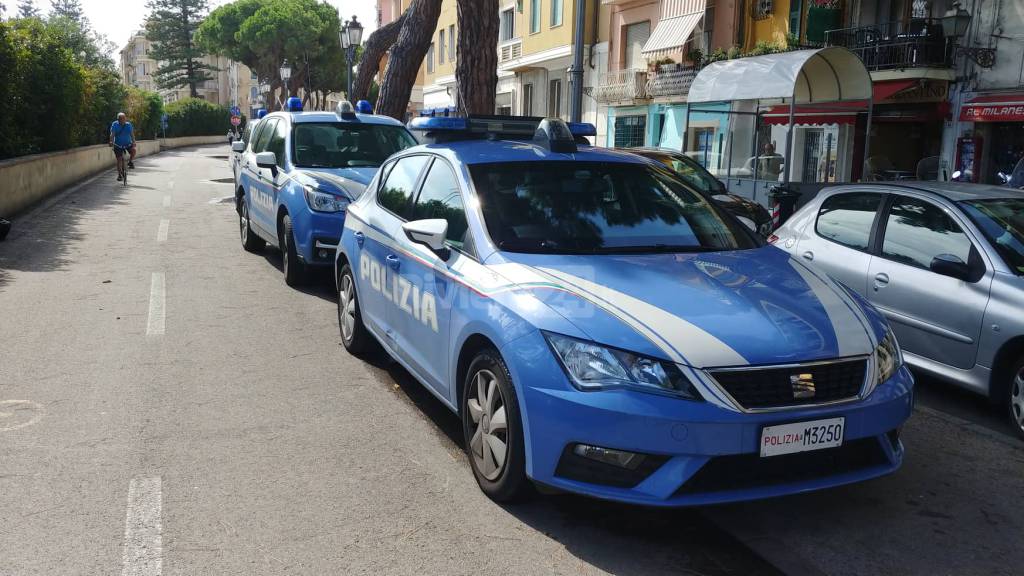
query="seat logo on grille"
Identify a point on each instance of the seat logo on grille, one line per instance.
(803, 385)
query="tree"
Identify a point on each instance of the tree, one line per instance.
(373, 52)
(27, 9)
(417, 30)
(476, 71)
(171, 26)
(67, 9)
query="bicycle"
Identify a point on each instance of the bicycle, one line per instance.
(122, 164)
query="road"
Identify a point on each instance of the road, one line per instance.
(169, 406)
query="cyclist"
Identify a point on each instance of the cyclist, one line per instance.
(122, 138)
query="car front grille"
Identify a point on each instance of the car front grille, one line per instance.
(796, 385)
(745, 471)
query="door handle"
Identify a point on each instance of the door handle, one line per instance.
(881, 280)
(808, 255)
(393, 261)
(360, 238)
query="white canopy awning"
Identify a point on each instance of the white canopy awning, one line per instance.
(679, 18)
(830, 74)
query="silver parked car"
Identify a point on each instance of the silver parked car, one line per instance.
(944, 262)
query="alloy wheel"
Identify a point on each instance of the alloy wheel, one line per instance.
(489, 442)
(1017, 399)
(347, 308)
(243, 222)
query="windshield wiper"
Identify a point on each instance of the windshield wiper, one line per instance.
(655, 249)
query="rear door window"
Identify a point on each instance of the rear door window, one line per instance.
(847, 219)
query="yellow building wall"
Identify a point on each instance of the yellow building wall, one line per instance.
(771, 29)
(448, 16)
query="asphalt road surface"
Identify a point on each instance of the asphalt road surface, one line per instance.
(169, 406)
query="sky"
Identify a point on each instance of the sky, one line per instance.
(117, 19)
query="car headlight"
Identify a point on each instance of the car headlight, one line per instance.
(591, 366)
(322, 202)
(888, 359)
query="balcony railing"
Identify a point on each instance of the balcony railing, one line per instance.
(917, 43)
(625, 85)
(671, 80)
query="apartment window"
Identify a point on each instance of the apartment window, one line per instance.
(534, 16)
(709, 26)
(527, 99)
(636, 36)
(451, 43)
(430, 59)
(441, 47)
(556, 12)
(508, 25)
(555, 98)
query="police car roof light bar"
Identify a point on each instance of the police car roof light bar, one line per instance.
(345, 110)
(294, 104)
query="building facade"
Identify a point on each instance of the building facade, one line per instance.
(137, 67)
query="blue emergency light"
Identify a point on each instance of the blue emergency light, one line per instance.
(552, 133)
(294, 104)
(261, 113)
(364, 107)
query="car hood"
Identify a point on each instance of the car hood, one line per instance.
(351, 181)
(712, 309)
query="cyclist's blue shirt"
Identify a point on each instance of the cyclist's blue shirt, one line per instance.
(122, 134)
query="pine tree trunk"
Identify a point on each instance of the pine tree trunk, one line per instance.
(476, 65)
(376, 46)
(407, 56)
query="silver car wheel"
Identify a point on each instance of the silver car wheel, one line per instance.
(243, 222)
(1017, 399)
(348, 308)
(489, 443)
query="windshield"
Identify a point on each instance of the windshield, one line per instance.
(346, 144)
(584, 207)
(1001, 221)
(690, 171)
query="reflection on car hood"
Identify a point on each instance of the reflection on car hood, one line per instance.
(341, 180)
(712, 309)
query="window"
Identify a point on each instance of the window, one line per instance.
(555, 98)
(276, 143)
(556, 12)
(1001, 220)
(630, 131)
(508, 25)
(430, 59)
(395, 193)
(263, 135)
(847, 219)
(346, 144)
(709, 26)
(636, 35)
(440, 198)
(527, 99)
(534, 16)
(556, 207)
(705, 139)
(451, 43)
(918, 231)
(442, 49)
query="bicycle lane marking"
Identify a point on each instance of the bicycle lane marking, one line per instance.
(155, 325)
(143, 539)
(161, 233)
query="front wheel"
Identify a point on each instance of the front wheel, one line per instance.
(250, 241)
(354, 335)
(493, 428)
(294, 269)
(1016, 398)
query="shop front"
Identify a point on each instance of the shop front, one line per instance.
(995, 143)
(906, 136)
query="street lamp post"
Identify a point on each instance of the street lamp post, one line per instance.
(286, 75)
(350, 37)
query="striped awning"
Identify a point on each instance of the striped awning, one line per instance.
(679, 18)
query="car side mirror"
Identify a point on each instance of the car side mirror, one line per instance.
(267, 160)
(950, 265)
(430, 233)
(238, 146)
(748, 223)
(1004, 177)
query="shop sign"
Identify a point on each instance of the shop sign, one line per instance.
(993, 112)
(925, 92)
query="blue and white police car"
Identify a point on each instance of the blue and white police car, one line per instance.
(603, 328)
(300, 170)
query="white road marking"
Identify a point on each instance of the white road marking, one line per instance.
(143, 543)
(11, 411)
(170, 185)
(161, 233)
(167, 201)
(155, 326)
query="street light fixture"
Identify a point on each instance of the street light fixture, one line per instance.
(350, 37)
(954, 25)
(286, 75)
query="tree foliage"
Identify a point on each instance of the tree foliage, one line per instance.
(263, 33)
(196, 117)
(71, 9)
(27, 9)
(170, 27)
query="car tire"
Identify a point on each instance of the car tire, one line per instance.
(294, 269)
(250, 241)
(1015, 398)
(492, 425)
(354, 335)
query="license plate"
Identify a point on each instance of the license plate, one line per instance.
(802, 436)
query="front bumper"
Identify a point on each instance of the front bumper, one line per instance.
(701, 453)
(316, 235)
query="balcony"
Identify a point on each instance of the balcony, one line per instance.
(671, 80)
(917, 43)
(622, 86)
(510, 50)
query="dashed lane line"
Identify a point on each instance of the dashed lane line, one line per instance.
(167, 201)
(155, 325)
(143, 540)
(161, 233)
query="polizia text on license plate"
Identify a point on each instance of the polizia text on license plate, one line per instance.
(802, 436)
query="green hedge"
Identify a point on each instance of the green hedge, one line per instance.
(196, 117)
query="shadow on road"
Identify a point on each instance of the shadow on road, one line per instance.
(319, 281)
